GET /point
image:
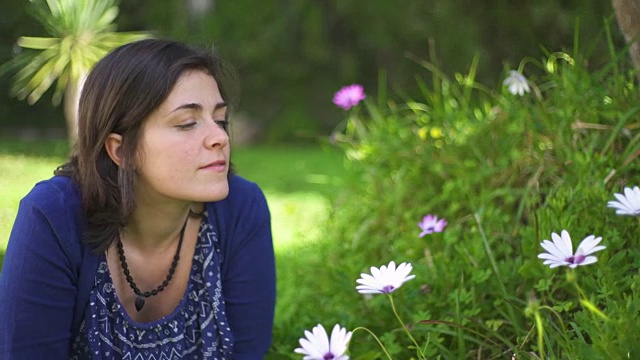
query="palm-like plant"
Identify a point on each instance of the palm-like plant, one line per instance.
(82, 31)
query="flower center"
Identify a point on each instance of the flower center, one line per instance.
(578, 259)
(388, 289)
(328, 356)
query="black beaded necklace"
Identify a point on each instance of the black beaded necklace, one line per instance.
(141, 296)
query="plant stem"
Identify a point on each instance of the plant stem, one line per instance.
(375, 337)
(393, 307)
(540, 328)
(584, 301)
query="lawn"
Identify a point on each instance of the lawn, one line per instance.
(298, 183)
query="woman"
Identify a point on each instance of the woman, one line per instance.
(144, 245)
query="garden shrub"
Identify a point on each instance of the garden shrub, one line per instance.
(505, 171)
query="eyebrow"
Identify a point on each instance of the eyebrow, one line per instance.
(197, 106)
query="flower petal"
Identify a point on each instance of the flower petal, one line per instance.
(589, 245)
(589, 260)
(552, 248)
(628, 202)
(339, 340)
(565, 245)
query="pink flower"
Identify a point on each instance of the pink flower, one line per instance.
(349, 96)
(431, 224)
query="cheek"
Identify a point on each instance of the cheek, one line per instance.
(168, 162)
(174, 162)
(185, 158)
(179, 162)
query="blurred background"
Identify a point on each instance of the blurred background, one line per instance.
(292, 55)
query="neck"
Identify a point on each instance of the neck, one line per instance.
(156, 227)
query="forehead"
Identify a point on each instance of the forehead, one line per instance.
(194, 86)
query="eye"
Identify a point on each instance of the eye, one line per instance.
(186, 126)
(224, 124)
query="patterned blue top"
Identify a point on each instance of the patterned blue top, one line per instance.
(196, 329)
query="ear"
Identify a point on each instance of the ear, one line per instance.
(113, 147)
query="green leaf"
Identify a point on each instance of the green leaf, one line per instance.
(38, 43)
(82, 33)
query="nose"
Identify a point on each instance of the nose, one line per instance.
(216, 136)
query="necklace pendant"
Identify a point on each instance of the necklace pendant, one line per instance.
(140, 297)
(139, 302)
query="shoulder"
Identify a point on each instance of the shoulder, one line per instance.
(54, 194)
(243, 195)
(241, 189)
(57, 202)
(245, 202)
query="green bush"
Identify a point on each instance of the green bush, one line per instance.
(505, 171)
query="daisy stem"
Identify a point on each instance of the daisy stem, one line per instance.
(533, 308)
(591, 307)
(584, 301)
(540, 328)
(393, 307)
(375, 337)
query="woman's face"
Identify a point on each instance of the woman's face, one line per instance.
(184, 148)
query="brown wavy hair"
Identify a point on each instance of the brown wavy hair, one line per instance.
(119, 93)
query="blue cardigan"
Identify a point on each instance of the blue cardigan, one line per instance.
(48, 272)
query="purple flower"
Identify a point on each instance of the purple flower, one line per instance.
(431, 224)
(349, 96)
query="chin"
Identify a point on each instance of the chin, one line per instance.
(217, 195)
(220, 197)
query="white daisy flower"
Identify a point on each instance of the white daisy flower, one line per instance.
(560, 251)
(384, 280)
(517, 83)
(627, 204)
(318, 346)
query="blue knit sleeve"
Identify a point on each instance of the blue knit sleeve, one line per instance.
(248, 268)
(38, 281)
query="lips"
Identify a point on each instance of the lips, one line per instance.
(216, 165)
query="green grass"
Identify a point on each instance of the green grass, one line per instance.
(23, 164)
(297, 182)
